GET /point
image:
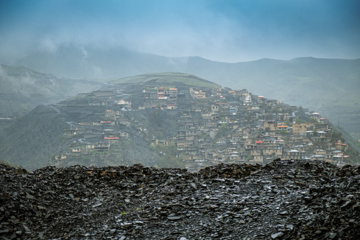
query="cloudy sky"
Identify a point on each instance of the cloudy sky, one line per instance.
(221, 30)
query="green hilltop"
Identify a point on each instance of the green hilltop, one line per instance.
(168, 78)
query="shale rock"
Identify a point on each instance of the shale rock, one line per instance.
(282, 200)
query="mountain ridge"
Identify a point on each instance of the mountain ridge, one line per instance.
(329, 86)
(22, 89)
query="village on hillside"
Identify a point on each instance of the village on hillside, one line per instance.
(213, 125)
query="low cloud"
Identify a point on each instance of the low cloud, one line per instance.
(228, 31)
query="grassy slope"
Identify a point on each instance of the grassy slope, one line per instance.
(168, 78)
(32, 139)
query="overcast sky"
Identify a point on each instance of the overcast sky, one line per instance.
(221, 30)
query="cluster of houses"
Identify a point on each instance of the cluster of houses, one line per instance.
(215, 126)
(240, 127)
(164, 97)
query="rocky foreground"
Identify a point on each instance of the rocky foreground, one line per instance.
(283, 200)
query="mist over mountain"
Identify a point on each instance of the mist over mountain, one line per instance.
(92, 63)
(329, 86)
(22, 89)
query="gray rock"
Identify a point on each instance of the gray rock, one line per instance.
(276, 235)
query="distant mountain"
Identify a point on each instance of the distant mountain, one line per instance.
(22, 89)
(329, 86)
(94, 63)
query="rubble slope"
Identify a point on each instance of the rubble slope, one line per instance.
(282, 200)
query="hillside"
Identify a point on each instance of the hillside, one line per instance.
(45, 132)
(22, 89)
(170, 120)
(329, 86)
(167, 79)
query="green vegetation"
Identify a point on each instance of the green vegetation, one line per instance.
(168, 157)
(250, 157)
(223, 131)
(168, 79)
(283, 132)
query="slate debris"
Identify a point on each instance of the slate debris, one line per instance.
(285, 199)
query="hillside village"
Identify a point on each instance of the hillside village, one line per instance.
(196, 126)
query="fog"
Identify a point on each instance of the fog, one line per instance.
(91, 39)
(228, 31)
